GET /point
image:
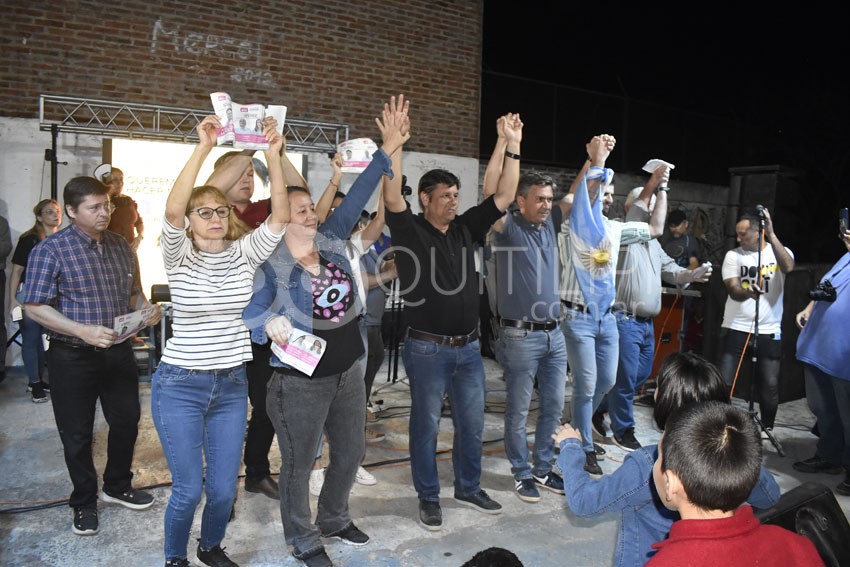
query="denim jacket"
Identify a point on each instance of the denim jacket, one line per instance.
(631, 490)
(279, 289)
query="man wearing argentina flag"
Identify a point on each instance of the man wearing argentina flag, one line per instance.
(588, 245)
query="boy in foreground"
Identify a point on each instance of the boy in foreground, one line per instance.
(708, 462)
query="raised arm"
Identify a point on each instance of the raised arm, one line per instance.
(228, 173)
(291, 175)
(178, 197)
(275, 158)
(658, 179)
(497, 158)
(323, 206)
(373, 230)
(509, 178)
(783, 258)
(395, 131)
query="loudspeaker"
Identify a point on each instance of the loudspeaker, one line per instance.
(812, 511)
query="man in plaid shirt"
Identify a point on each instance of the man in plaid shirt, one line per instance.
(78, 281)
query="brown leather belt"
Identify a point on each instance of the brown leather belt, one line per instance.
(449, 340)
(530, 325)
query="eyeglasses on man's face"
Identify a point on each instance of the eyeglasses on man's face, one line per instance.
(106, 207)
(206, 213)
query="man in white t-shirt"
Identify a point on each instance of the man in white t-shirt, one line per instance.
(746, 284)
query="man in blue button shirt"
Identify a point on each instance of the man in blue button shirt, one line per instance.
(531, 346)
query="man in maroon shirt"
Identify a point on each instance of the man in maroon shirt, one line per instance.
(234, 176)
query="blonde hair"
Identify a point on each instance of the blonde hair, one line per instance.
(235, 227)
(38, 210)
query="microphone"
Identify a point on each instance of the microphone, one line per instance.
(760, 210)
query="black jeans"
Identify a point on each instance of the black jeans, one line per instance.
(78, 378)
(767, 366)
(374, 356)
(258, 439)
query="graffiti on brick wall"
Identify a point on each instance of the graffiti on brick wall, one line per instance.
(245, 53)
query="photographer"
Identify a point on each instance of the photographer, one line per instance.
(825, 349)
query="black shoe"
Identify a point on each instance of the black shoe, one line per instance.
(481, 502)
(599, 450)
(215, 557)
(134, 499)
(351, 534)
(45, 386)
(526, 490)
(844, 488)
(430, 515)
(263, 485)
(316, 558)
(598, 422)
(551, 481)
(627, 440)
(85, 521)
(817, 465)
(590, 464)
(177, 563)
(39, 396)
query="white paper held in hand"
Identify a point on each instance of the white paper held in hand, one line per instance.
(654, 164)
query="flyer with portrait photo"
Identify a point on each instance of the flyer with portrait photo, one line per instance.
(303, 351)
(356, 154)
(131, 323)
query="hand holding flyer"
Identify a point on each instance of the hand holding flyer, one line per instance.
(303, 351)
(242, 124)
(131, 323)
(356, 154)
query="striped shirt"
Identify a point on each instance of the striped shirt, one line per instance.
(208, 293)
(88, 281)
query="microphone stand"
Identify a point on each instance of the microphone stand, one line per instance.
(754, 346)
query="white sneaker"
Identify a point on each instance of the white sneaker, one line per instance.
(317, 480)
(364, 477)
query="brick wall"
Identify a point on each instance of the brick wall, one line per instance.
(334, 60)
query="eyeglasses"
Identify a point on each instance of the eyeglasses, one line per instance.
(206, 213)
(107, 207)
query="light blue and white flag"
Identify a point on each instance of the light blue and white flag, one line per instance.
(590, 246)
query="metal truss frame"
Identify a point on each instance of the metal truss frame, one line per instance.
(166, 123)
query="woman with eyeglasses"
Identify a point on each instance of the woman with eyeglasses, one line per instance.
(199, 393)
(48, 217)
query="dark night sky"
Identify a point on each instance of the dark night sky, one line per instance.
(780, 68)
(779, 71)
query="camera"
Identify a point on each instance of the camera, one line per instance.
(405, 188)
(823, 292)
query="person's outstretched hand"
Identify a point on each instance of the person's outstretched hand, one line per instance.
(394, 124)
(206, 130)
(512, 128)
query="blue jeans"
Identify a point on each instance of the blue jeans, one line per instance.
(529, 356)
(769, 354)
(829, 399)
(637, 346)
(433, 370)
(32, 347)
(300, 408)
(195, 412)
(592, 349)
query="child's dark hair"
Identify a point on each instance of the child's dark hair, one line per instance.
(686, 377)
(715, 450)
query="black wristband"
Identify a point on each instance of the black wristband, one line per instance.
(512, 155)
(662, 188)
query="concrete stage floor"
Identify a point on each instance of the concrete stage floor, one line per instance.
(546, 533)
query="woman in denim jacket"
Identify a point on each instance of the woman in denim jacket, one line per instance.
(308, 284)
(683, 378)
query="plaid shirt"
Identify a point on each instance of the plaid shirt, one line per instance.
(86, 282)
